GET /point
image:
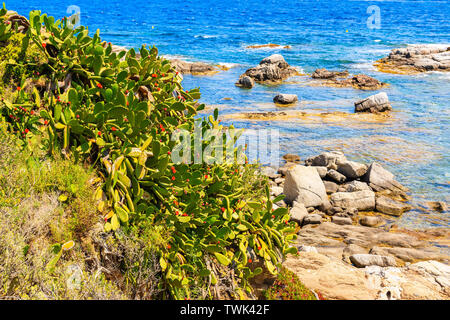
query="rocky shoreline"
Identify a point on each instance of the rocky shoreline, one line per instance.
(349, 245)
(416, 59)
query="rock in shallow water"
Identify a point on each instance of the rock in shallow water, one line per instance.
(245, 82)
(376, 103)
(271, 69)
(371, 221)
(392, 207)
(380, 179)
(284, 98)
(352, 170)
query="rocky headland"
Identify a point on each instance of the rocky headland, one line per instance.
(342, 79)
(416, 59)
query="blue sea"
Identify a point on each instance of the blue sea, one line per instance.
(414, 144)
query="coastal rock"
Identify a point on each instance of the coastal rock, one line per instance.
(392, 207)
(361, 260)
(374, 104)
(245, 82)
(322, 171)
(289, 157)
(371, 221)
(380, 179)
(303, 184)
(409, 254)
(298, 213)
(326, 74)
(332, 277)
(365, 82)
(352, 170)
(330, 187)
(336, 176)
(276, 191)
(341, 220)
(327, 159)
(282, 170)
(271, 69)
(416, 59)
(284, 98)
(312, 218)
(437, 205)
(361, 200)
(353, 186)
(195, 68)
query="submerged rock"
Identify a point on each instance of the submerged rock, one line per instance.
(374, 104)
(290, 157)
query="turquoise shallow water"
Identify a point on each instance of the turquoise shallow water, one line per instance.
(414, 144)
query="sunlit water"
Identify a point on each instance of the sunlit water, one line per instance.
(414, 144)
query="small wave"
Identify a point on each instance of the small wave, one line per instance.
(206, 36)
(364, 66)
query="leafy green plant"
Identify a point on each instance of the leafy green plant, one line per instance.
(287, 286)
(117, 110)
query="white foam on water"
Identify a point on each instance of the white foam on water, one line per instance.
(206, 36)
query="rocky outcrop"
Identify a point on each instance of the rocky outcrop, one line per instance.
(416, 58)
(326, 74)
(271, 69)
(284, 98)
(195, 68)
(343, 79)
(374, 104)
(245, 82)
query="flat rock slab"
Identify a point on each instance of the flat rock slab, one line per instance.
(361, 260)
(392, 207)
(361, 200)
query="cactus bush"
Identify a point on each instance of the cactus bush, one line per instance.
(117, 111)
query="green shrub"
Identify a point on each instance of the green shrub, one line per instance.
(116, 111)
(287, 286)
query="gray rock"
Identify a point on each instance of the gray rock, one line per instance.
(336, 176)
(304, 248)
(312, 219)
(352, 170)
(282, 170)
(326, 159)
(341, 220)
(354, 185)
(322, 171)
(303, 184)
(361, 200)
(276, 191)
(330, 187)
(376, 103)
(245, 82)
(361, 260)
(284, 98)
(371, 221)
(279, 180)
(298, 213)
(392, 207)
(269, 172)
(271, 69)
(380, 179)
(326, 74)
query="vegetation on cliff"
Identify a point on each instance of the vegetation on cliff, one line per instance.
(94, 128)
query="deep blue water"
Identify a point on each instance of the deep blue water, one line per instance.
(414, 145)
